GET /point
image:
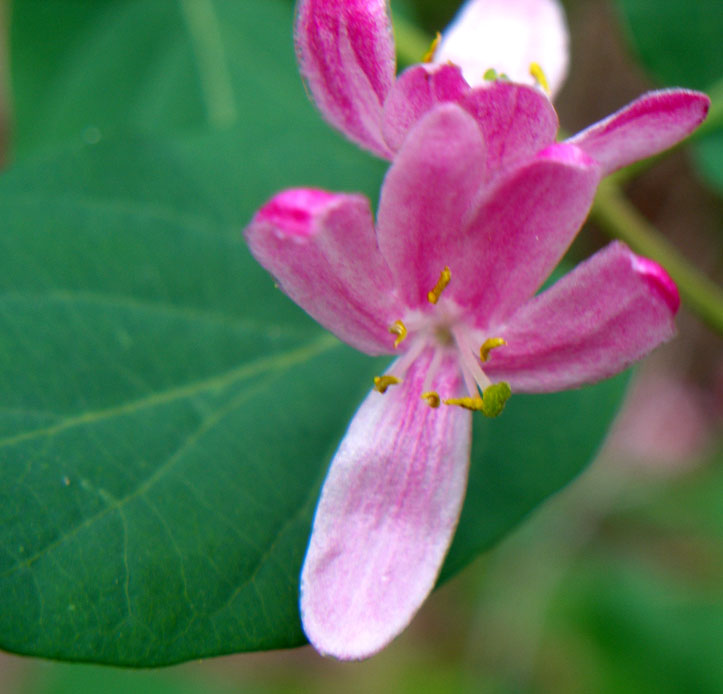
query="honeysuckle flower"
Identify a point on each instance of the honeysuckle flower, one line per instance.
(346, 55)
(445, 279)
(508, 36)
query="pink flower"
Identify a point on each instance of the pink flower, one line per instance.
(446, 280)
(346, 54)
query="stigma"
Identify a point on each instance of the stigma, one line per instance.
(491, 403)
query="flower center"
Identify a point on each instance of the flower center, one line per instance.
(443, 336)
(445, 330)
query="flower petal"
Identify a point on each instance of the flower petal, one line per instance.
(322, 250)
(516, 123)
(386, 517)
(346, 55)
(508, 35)
(610, 311)
(417, 90)
(648, 125)
(434, 178)
(520, 231)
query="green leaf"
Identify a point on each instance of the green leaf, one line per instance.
(85, 70)
(678, 41)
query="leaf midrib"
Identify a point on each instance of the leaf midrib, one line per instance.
(279, 361)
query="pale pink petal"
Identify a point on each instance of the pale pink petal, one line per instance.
(322, 251)
(387, 513)
(650, 124)
(417, 90)
(346, 54)
(520, 231)
(508, 35)
(516, 122)
(607, 313)
(428, 189)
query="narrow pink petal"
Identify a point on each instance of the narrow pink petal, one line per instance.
(428, 189)
(417, 90)
(520, 232)
(346, 55)
(508, 35)
(516, 122)
(607, 313)
(386, 517)
(647, 126)
(322, 251)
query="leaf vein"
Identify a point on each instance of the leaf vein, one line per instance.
(279, 361)
(276, 363)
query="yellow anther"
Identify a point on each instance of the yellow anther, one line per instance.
(490, 74)
(475, 404)
(442, 282)
(537, 72)
(491, 405)
(432, 398)
(381, 383)
(400, 330)
(428, 57)
(489, 345)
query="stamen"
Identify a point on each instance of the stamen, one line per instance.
(432, 370)
(490, 405)
(489, 345)
(400, 330)
(381, 383)
(539, 75)
(432, 398)
(473, 375)
(490, 74)
(474, 404)
(444, 277)
(428, 57)
(399, 368)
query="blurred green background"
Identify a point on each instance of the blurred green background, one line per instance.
(616, 584)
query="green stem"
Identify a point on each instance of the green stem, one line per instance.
(617, 217)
